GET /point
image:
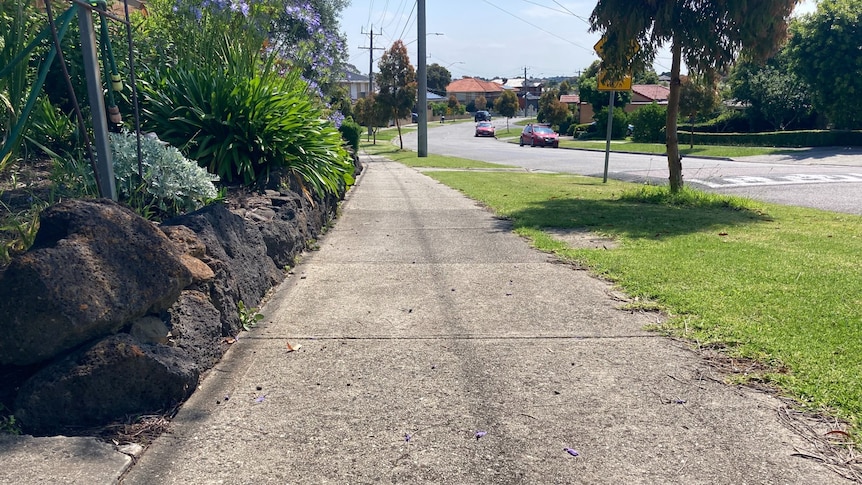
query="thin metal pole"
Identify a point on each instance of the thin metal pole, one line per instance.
(104, 166)
(422, 104)
(609, 131)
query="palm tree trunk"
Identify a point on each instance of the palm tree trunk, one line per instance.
(674, 162)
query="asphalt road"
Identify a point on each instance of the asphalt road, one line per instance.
(822, 178)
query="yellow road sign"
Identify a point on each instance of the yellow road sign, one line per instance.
(604, 85)
(601, 43)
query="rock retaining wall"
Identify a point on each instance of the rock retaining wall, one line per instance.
(110, 315)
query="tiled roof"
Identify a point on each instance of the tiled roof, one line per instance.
(654, 92)
(570, 98)
(473, 85)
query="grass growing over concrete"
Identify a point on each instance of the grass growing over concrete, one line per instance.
(772, 283)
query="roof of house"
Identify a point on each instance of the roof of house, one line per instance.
(570, 98)
(473, 85)
(354, 77)
(653, 92)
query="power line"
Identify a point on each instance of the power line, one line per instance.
(573, 13)
(407, 24)
(543, 6)
(539, 28)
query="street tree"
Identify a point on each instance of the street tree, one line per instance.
(551, 110)
(371, 114)
(825, 47)
(453, 105)
(481, 103)
(706, 35)
(397, 84)
(438, 77)
(507, 105)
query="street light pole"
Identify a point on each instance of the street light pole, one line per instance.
(422, 108)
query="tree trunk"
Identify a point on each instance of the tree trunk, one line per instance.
(674, 162)
(398, 125)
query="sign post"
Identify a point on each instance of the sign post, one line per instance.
(604, 85)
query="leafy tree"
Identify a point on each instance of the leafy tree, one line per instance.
(438, 77)
(453, 105)
(707, 35)
(565, 88)
(825, 47)
(646, 77)
(370, 113)
(773, 91)
(397, 83)
(551, 110)
(480, 103)
(507, 105)
(698, 95)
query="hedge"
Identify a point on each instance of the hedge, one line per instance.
(803, 138)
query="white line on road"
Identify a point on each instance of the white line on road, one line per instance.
(750, 181)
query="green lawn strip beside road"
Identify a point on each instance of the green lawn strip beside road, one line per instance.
(660, 149)
(392, 152)
(776, 284)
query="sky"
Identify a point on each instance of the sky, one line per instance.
(486, 38)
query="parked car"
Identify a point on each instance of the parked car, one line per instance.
(482, 116)
(484, 128)
(414, 117)
(539, 135)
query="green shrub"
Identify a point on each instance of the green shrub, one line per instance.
(171, 184)
(51, 130)
(620, 123)
(649, 124)
(244, 120)
(802, 138)
(351, 132)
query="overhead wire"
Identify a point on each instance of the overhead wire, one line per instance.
(537, 27)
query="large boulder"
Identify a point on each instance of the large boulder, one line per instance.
(195, 327)
(94, 267)
(237, 254)
(115, 377)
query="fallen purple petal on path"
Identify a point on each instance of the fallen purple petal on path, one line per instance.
(260, 398)
(407, 437)
(480, 434)
(571, 451)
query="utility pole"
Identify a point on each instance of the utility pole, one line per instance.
(371, 50)
(422, 108)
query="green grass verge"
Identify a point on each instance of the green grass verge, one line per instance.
(659, 149)
(773, 283)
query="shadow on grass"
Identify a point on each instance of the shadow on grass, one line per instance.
(636, 219)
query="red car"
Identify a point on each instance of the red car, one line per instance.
(539, 135)
(484, 128)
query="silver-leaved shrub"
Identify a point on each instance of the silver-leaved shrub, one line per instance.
(171, 184)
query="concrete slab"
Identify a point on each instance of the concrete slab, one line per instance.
(59, 459)
(417, 335)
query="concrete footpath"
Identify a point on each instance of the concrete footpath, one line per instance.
(438, 347)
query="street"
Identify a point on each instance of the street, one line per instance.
(822, 178)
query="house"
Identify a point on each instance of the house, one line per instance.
(356, 84)
(649, 93)
(468, 89)
(520, 85)
(642, 95)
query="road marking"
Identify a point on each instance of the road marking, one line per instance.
(800, 178)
